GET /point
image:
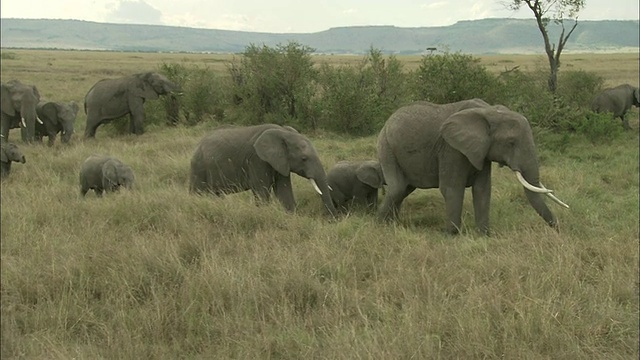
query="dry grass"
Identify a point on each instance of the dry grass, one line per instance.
(158, 273)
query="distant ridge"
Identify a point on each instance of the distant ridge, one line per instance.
(487, 36)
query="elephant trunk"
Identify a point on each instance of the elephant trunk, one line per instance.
(28, 114)
(67, 131)
(532, 177)
(321, 186)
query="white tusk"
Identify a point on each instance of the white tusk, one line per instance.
(330, 188)
(24, 123)
(531, 187)
(315, 186)
(554, 198)
(40, 121)
(63, 132)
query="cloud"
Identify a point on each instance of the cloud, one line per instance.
(435, 5)
(134, 12)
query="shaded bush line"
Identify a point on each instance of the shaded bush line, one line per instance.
(283, 85)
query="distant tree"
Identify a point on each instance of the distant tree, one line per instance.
(544, 11)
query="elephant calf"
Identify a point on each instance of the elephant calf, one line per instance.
(355, 183)
(104, 173)
(618, 101)
(9, 152)
(56, 117)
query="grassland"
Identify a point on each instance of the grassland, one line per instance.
(156, 273)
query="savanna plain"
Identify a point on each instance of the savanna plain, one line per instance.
(157, 273)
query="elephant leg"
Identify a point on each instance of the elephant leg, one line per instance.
(453, 199)
(284, 192)
(52, 139)
(262, 195)
(390, 207)
(4, 128)
(92, 126)
(481, 191)
(136, 125)
(625, 123)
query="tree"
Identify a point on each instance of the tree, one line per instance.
(543, 10)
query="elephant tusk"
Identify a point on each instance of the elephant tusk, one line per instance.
(530, 187)
(315, 186)
(554, 198)
(40, 121)
(24, 123)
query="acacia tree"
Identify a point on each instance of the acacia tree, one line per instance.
(544, 11)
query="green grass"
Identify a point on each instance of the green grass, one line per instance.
(158, 273)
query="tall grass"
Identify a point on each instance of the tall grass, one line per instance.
(158, 273)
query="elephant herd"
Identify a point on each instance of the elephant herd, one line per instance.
(422, 145)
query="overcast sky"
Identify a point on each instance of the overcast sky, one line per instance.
(287, 16)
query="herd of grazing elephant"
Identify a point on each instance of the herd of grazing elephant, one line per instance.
(422, 145)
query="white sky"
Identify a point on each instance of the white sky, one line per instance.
(287, 16)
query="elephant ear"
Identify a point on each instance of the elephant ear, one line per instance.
(270, 146)
(7, 105)
(142, 87)
(369, 175)
(3, 155)
(468, 132)
(636, 96)
(49, 111)
(109, 174)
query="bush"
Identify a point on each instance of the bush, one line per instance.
(274, 83)
(446, 78)
(598, 128)
(358, 100)
(578, 87)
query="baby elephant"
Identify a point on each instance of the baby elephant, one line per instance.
(355, 183)
(56, 117)
(104, 173)
(9, 152)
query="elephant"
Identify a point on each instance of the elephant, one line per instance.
(451, 147)
(355, 183)
(57, 117)
(9, 152)
(18, 107)
(110, 99)
(618, 101)
(259, 158)
(104, 173)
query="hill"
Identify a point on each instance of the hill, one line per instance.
(487, 36)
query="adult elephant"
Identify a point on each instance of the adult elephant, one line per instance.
(18, 107)
(56, 117)
(110, 99)
(451, 147)
(355, 183)
(258, 158)
(618, 101)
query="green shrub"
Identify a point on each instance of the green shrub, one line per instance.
(358, 100)
(578, 87)
(598, 128)
(446, 78)
(275, 82)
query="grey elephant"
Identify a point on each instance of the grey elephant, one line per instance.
(618, 101)
(355, 183)
(104, 173)
(9, 153)
(56, 117)
(258, 158)
(451, 147)
(18, 107)
(110, 99)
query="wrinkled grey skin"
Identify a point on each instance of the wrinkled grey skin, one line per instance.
(104, 173)
(355, 183)
(451, 147)
(618, 101)
(18, 102)
(9, 152)
(257, 158)
(110, 99)
(56, 117)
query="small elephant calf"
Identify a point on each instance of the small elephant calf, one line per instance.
(9, 152)
(355, 183)
(104, 173)
(56, 117)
